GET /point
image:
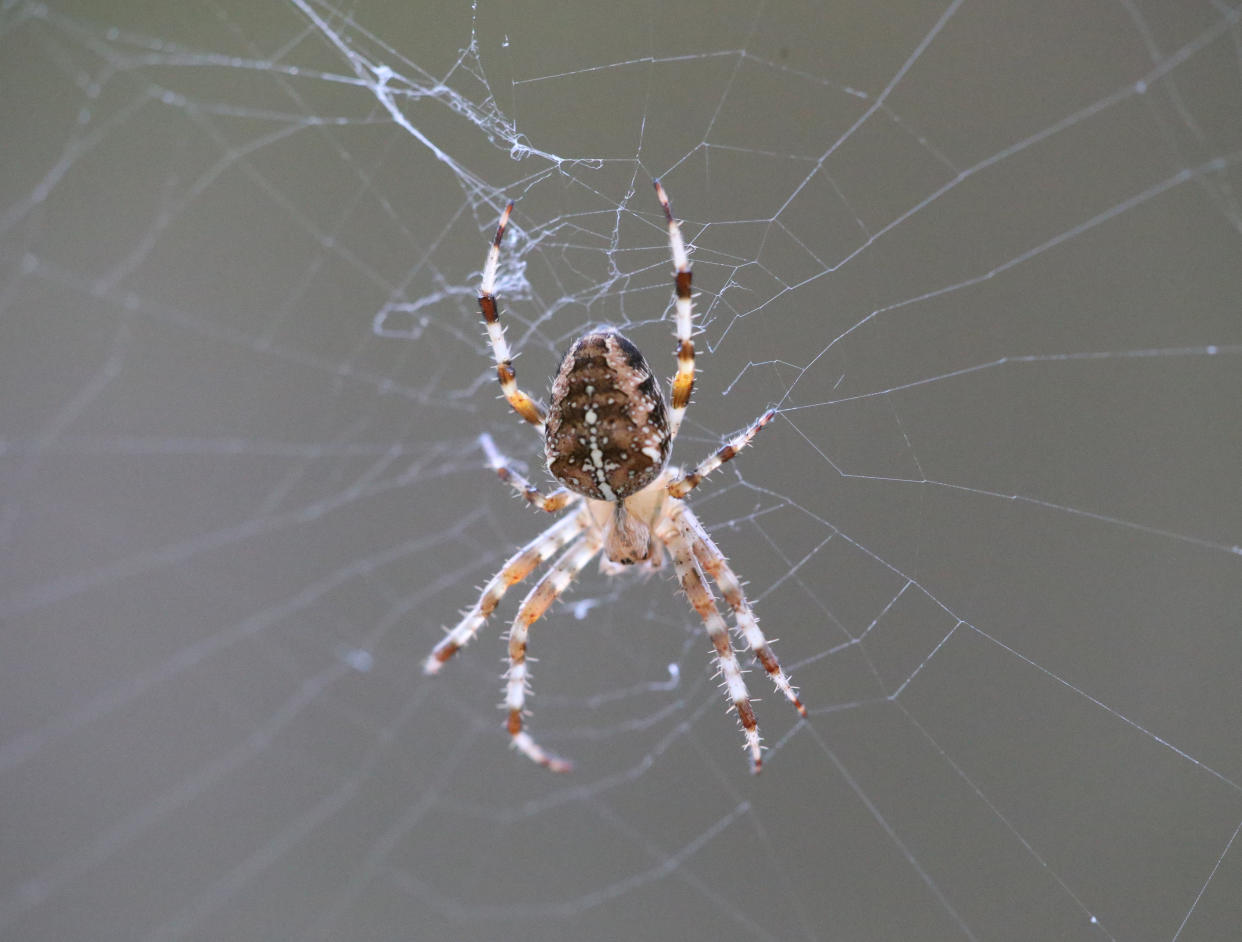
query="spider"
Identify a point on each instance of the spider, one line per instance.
(607, 436)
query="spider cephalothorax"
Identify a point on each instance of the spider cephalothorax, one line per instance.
(607, 437)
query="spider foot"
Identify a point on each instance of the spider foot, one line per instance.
(746, 714)
(442, 652)
(523, 742)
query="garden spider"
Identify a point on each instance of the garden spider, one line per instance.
(607, 437)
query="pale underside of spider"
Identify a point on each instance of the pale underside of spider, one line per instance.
(607, 437)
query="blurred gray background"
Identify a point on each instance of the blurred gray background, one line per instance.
(985, 258)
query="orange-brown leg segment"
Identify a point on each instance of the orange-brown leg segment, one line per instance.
(559, 499)
(517, 679)
(683, 381)
(684, 484)
(522, 404)
(717, 568)
(520, 565)
(691, 576)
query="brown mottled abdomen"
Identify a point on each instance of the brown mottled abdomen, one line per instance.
(606, 435)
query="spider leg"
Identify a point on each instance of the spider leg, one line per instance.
(683, 382)
(685, 483)
(541, 595)
(522, 404)
(717, 568)
(691, 576)
(520, 565)
(557, 500)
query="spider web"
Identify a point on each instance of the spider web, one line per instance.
(986, 259)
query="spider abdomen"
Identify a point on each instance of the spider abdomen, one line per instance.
(606, 435)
